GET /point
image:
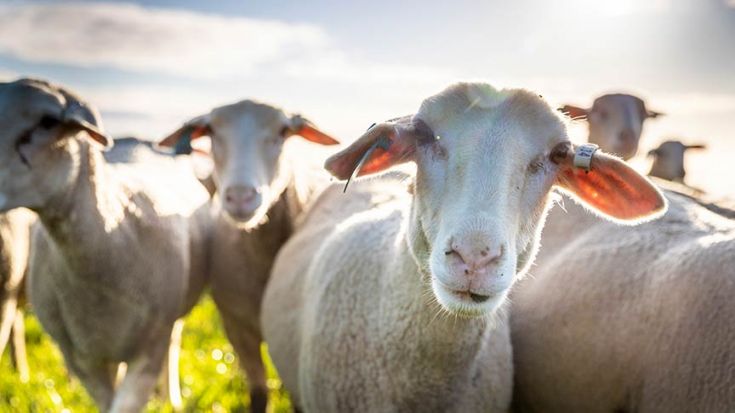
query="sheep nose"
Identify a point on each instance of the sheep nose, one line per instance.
(627, 136)
(240, 195)
(470, 258)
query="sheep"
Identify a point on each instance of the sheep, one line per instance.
(260, 194)
(15, 228)
(615, 122)
(668, 160)
(119, 253)
(400, 306)
(628, 319)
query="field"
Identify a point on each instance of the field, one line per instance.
(211, 380)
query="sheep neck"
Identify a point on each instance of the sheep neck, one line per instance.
(255, 248)
(452, 344)
(89, 211)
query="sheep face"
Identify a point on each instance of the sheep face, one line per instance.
(486, 163)
(489, 171)
(247, 143)
(38, 157)
(615, 122)
(668, 162)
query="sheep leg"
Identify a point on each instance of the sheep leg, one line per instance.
(19, 347)
(171, 383)
(95, 376)
(8, 315)
(252, 362)
(247, 346)
(140, 379)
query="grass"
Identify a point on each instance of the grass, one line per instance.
(211, 380)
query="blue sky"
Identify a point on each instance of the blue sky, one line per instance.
(152, 64)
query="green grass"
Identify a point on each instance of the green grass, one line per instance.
(211, 380)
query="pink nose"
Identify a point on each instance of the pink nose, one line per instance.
(240, 195)
(471, 258)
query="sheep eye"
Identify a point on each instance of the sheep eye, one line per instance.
(560, 152)
(423, 132)
(48, 122)
(536, 166)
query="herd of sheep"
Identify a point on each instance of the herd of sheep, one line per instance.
(447, 279)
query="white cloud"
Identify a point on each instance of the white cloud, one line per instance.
(190, 44)
(6, 75)
(131, 37)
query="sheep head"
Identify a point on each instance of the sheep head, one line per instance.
(38, 157)
(615, 122)
(247, 145)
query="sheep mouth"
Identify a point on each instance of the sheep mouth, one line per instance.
(469, 295)
(465, 302)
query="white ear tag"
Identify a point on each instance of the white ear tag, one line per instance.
(583, 155)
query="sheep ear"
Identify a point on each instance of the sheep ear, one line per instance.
(181, 139)
(94, 132)
(653, 114)
(381, 147)
(307, 130)
(574, 112)
(609, 187)
(78, 115)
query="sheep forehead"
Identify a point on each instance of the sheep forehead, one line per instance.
(672, 145)
(22, 104)
(511, 114)
(23, 97)
(618, 101)
(248, 118)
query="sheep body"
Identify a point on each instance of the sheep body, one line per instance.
(251, 156)
(633, 319)
(120, 251)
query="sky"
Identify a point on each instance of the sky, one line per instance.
(150, 65)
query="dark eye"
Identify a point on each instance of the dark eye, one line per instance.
(536, 166)
(48, 122)
(603, 114)
(286, 132)
(423, 132)
(24, 139)
(560, 152)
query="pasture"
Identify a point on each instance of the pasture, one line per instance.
(211, 380)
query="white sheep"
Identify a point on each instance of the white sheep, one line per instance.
(628, 319)
(615, 122)
(119, 254)
(400, 306)
(15, 231)
(668, 160)
(261, 190)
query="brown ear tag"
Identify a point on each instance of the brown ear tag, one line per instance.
(383, 143)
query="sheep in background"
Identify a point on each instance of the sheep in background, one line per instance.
(628, 319)
(261, 190)
(15, 231)
(668, 160)
(401, 306)
(119, 253)
(615, 122)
